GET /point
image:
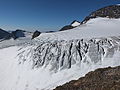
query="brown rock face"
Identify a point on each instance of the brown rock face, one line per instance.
(100, 79)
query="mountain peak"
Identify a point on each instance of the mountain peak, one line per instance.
(112, 11)
(75, 23)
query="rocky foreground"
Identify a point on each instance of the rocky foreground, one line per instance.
(100, 79)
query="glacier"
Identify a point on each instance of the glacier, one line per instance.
(53, 59)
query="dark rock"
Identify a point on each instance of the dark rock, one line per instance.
(50, 31)
(36, 34)
(66, 28)
(100, 79)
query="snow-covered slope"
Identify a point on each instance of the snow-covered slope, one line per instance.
(98, 27)
(53, 59)
(19, 65)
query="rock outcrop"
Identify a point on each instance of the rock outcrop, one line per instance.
(100, 79)
(36, 34)
(67, 27)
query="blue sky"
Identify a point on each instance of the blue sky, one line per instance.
(45, 15)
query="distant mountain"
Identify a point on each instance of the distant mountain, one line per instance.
(112, 11)
(14, 34)
(18, 33)
(74, 24)
(4, 34)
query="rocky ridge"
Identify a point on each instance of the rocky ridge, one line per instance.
(100, 79)
(112, 11)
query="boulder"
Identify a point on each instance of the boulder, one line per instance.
(36, 34)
